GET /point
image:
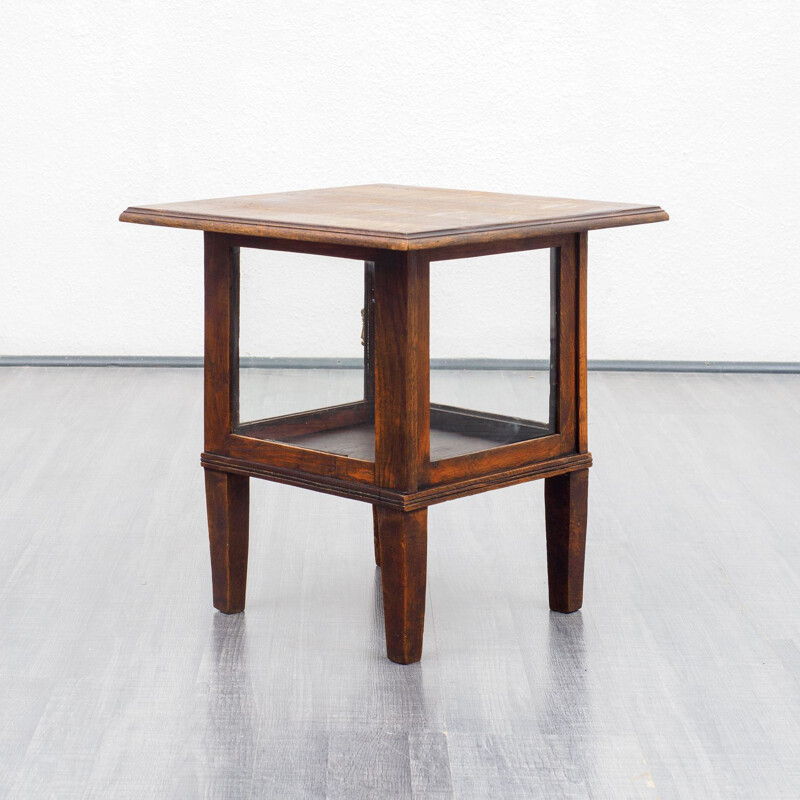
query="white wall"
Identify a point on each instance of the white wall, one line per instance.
(691, 105)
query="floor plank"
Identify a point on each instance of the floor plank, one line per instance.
(680, 678)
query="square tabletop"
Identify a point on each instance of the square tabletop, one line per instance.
(392, 216)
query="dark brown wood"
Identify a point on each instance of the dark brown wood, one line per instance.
(403, 501)
(259, 467)
(488, 459)
(555, 291)
(394, 217)
(402, 371)
(492, 247)
(227, 495)
(228, 505)
(565, 499)
(393, 449)
(221, 374)
(354, 441)
(376, 539)
(554, 228)
(369, 378)
(566, 381)
(402, 442)
(403, 555)
(497, 427)
(314, 248)
(464, 486)
(358, 442)
(582, 432)
(347, 431)
(293, 456)
(369, 336)
(290, 426)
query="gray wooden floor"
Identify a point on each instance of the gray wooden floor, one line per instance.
(679, 679)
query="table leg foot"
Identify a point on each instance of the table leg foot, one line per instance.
(228, 504)
(403, 552)
(375, 535)
(565, 501)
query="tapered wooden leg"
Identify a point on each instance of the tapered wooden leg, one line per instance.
(565, 499)
(403, 549)
(375, 535)
(228, 504)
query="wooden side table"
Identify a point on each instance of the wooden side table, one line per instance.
(394, 448)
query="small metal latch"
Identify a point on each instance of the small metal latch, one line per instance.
(363, 328)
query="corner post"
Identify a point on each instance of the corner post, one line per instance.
(369, 375)
(566, 496)
(402, 442)
(227, 494)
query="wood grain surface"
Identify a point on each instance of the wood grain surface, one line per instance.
(228, 511)
(394, 217)
(565, 504)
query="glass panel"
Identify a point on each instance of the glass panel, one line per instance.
(490, 352)
(300, 310)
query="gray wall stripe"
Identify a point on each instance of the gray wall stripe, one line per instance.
(436, 363)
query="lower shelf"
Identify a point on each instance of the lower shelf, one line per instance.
(348, 430)
(358, 441)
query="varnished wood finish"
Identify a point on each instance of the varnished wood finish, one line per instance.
(402, 442)
(407, 501)
(292, 456)
(497, 427)
(221, 339)
(346, 431)
(394, 217)
(376, 539)
(565, 499)
(227, 495)
(564, 272)
(310, 247)
(369, 337)
(228, 505)
(493, 247)
(582, 431)
(290, 426)
(369, 379)
(500, 458)
(403, 555)
(393, 449)
(555, 287)
(402, 371)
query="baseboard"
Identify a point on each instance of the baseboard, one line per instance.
(436, 363)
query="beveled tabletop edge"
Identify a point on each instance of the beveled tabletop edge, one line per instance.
(386, 241)
(420, 240)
